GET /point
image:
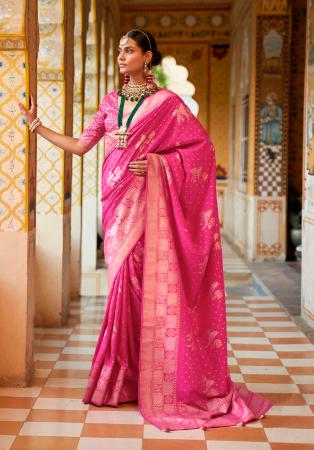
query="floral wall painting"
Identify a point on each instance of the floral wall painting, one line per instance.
(271, 121)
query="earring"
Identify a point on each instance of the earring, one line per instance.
(126, 78)
(150, 77)
(145, 68)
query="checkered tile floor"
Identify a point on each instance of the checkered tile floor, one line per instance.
(267, 352)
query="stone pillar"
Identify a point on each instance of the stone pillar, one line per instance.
(90, 159)
(307, 293)
(18, 55)
(55, 108)
(76, 198)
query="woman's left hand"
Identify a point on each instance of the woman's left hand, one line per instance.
(139, 167)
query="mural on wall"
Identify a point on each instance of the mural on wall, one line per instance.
(272, 105)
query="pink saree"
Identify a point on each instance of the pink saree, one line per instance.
(163, 337)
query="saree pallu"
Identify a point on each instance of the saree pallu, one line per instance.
(163, 338)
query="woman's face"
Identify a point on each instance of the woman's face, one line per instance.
(131, 58)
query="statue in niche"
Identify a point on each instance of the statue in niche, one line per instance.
(272, 45)
(271, 120)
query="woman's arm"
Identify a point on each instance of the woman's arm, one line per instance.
(67, 143)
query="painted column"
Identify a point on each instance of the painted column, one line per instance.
(90, 159)
(307, 293)
(76, 198)
(55, 103)
(18, 54)
(267, 210)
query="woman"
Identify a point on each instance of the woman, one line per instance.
(163, 337)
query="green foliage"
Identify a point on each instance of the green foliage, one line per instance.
(160, 76)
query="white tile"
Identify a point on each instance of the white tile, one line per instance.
(284, 334)
(13, 414)
(275, 388)
(241, 319)
(109, 444)
(303, 379)
(298, 362)
(69, 404)
(255, 354)
(237, 378)
(269, 314)
(53, 330)
(66, 382)
(232, 362)
(309, 398)
(248, 340)
(293, 347)
(283, 410)
(152, 432)
(20, 392)
(264, 305)
(51, 429)
(41, 373)
(114, 417)
(290, 435)
(237, 445)
(78, 350)
(49, 343)
(83, 337)
(46, 356)
(86, 326)
(6, 441)
(264, 370)
(274, 324)
(237, 309)
(75, 365)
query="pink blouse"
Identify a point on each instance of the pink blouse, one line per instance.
(105, 122)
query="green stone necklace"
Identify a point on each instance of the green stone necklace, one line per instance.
(122, 133)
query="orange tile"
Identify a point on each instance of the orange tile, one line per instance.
(280, 329)
(48, 415)
(52, 336)
(75, 357)
(301, 370)
(267, 310)
(286, 399)
(245, 334)
(234, 369)
(47, 349)
(306, 388)
(262, 347)
(296, 355)
(173, 444)
(277, 379)
(291, 446)
(17, 402)
(10, 428)
(243, 324)
(46, 443)
(274, 319)
(86, 331)
(44, 364)
(51, 392)
(236, 434)
(112, 430)
(37, 382)
(240, 314)
(69, 373)
(259, 362)
(289, 340)
(288, 422)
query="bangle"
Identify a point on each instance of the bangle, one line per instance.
(34, 125)
(33, 122)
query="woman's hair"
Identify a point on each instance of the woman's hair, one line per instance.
(140, 37)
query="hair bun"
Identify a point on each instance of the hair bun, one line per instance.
(157, 57)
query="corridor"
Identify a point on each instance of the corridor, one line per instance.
(267, 352)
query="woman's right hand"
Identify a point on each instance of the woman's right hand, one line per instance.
(29, 114)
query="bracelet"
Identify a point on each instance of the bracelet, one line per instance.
(35, 125)
(33, 122)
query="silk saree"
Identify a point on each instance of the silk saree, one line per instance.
(163, 337)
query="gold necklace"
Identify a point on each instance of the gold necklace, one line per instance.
(134, 92)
